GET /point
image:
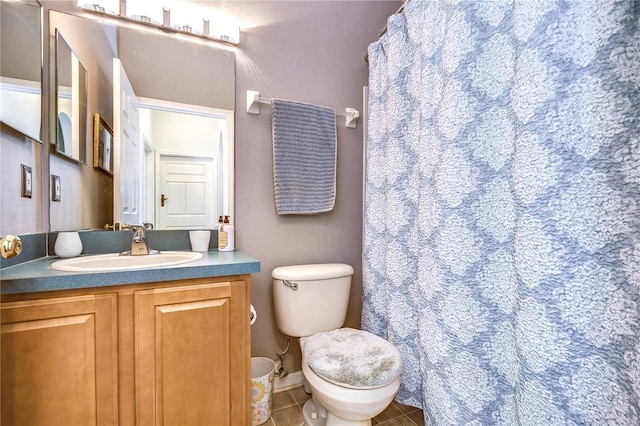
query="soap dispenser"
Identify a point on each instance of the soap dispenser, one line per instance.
(226, 236)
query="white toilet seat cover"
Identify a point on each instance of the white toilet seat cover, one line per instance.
(352, 358)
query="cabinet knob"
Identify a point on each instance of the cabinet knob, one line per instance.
(10, 246)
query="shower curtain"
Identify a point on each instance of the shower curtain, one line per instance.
(502, 209)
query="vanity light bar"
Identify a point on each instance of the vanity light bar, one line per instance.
(227, 33)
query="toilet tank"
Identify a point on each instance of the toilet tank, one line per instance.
(309, 299)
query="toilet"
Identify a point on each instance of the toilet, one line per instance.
(353, 375)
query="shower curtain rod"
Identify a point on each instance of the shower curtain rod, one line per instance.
(384, 29)
(400, 10)
(254, 100)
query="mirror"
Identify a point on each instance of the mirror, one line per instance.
(71, 102)
(174, 78)
(21, 67)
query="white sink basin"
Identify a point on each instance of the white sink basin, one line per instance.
(115, 262)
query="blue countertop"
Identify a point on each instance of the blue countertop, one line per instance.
(36, 275)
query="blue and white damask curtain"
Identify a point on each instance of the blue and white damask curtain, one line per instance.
(502, 209)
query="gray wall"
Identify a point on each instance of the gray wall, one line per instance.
(19, 215)
(311, 52)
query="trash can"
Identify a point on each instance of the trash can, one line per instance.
(262, 374)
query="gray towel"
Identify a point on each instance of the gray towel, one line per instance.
(304, 157)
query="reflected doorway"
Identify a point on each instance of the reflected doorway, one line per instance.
(188, 176)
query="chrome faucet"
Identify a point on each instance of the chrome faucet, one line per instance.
(138, 242)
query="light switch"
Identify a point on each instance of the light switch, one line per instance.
(27, 181)
(55, 188)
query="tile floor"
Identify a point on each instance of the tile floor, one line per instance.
(287, 411)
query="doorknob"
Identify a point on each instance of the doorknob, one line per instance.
(162, 200)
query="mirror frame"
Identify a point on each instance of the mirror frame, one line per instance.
(79, 103)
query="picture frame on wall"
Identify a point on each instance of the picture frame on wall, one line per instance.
(102, 145)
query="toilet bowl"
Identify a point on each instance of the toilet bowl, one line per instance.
(344, 406)
(353, 375)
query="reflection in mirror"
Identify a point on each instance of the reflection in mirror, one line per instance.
(102, 145)
(21, 67)
(71, 102)
(186, 163)
(199, 76)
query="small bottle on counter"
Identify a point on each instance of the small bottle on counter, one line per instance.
(226, 236)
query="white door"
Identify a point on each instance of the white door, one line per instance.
(128, 176)
(187, 192)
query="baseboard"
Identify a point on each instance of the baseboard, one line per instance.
(290, 381)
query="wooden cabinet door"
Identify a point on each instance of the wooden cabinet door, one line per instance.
(59, 361)
(188, 355)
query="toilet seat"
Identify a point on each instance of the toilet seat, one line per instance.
(352, 358)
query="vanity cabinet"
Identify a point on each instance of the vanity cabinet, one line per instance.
(59, 361)
(189, 351)
(167, 353)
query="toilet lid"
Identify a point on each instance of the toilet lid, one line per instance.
(352, 358)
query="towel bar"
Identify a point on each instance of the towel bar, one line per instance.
(254, 100)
